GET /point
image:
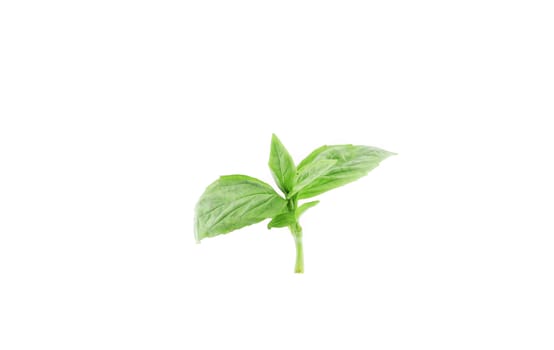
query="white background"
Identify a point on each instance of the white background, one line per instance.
(115, 115)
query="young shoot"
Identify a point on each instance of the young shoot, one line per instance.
(236, 201)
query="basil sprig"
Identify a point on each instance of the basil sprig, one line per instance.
(235, 201)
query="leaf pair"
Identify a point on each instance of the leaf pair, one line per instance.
(326, 168)
(288, 217)
(236, 201)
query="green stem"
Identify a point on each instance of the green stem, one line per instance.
(296, 231)
(299, 265)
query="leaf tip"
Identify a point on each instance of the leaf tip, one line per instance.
(275, 139)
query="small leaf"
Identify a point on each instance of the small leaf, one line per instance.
(232, 202)
(301, 209)
(310, 173)
(282, 220)
(281, 165)
(352, 163)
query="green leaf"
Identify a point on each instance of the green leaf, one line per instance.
(281, 165)
(232, 202)
(282, 220)
(310, 173)
(301, 209)
(352, 163)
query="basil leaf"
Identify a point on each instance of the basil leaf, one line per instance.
(352, 163)
(233, 202)
(281, 165)
(301, 209)
(282, 220)
(310, 173)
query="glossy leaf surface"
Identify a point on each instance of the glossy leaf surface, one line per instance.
(310, 173)
(302, 209)
(282, 220)
(281, 165)
(352, 163)
(235, 201)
